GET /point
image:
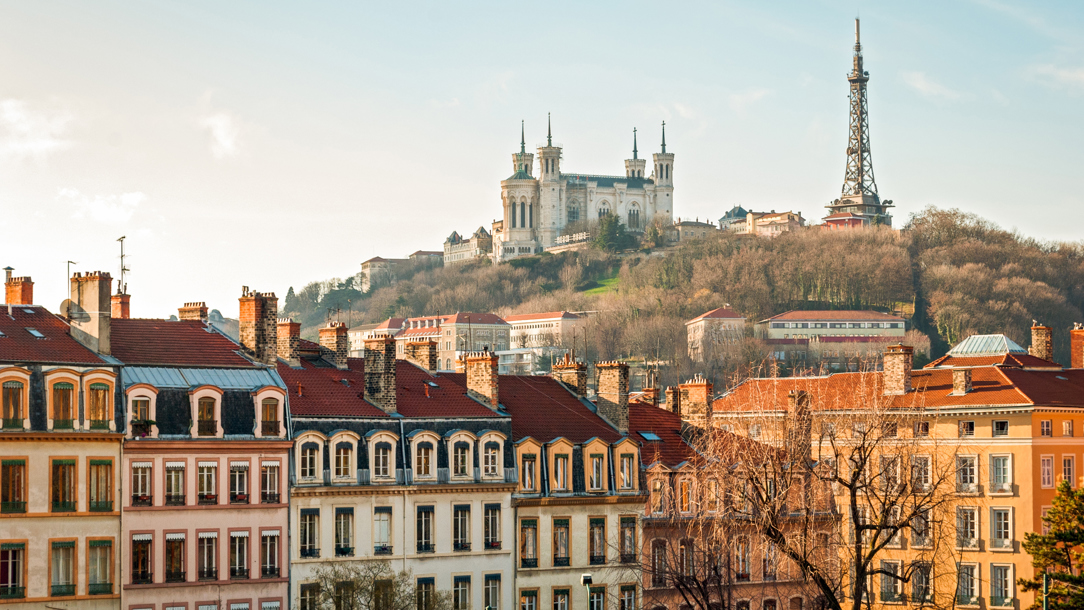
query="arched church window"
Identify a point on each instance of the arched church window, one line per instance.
(522, 214)
(634, 219)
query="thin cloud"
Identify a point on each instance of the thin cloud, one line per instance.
(1054, 75)
(106, 209)
(225, 135)
(739, 102)
(928, 87)
(29, 133)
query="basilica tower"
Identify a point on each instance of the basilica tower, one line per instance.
(519, 195)
(634, 167)
(664, 181)
(551, 191)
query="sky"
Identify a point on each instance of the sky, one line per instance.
(271, 144)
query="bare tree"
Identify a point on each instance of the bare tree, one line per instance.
(369, 585)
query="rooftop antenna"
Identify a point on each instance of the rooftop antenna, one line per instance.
(122, 286)
(68, 280)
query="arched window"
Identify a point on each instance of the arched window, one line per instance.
(205, 416)
(512, 204)
(382, 460)
(98, 407)
(603, 209)
(461, 462)
(573, 211)
(423, 461)
(492, 459)
(343, 459)
(13, 401)
(667, 171)
(522, 214)
(63, 405)
(634, 219)
(269, 417)
(309, 460)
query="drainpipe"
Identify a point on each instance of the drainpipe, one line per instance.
(402, 450)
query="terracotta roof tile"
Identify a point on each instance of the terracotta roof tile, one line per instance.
(1019, 361)
(836, 314)
(550, 315)
(55, 346)
(671, 448)
(722, 312)
(173, 343)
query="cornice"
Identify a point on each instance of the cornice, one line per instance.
(38, 435)
(580, 500)
(318, 491)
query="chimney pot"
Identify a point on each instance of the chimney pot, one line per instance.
(961, 381)
(335, 344)
(380, 373)
(196, 310)
(258, 325)
(1042, 342)
(897, 369)
(121, 306)
(571, 373)
(613, 393)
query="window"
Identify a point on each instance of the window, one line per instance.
(711, 495)
(269, 417)
(658, 563)
(771, 561)
(1046, 471)
(141, 409)
(528, 600)
(684, 495)
(461, 460)
(967, 527)
(891, 585)
(922, 428)
(1001, 522)
(920, 583)
(560, 542)
(13, 486)
(1046, 428)
(63, 486)
(175, 557)
(528, 543)
(890, 472)
(491, 460)
(63, 568)
(208, 480)
(1001, 592)
(382, 460)
(741, 559)
(754, 431)
(491, 525)
(920, 530)
(207, 555)
(175, 483)
(461, 527)
(920, 472)
(658, 496)
(1000, 480)
(99, 567)
(309, 596)
(1067, 470)
(628, 471)
(309, 457)
(343, 452)
(597, 472)
(560, 473)
(205, 415)
(423, 462)
(493, 592)
(628, 539)
(461, 593)
(269, 483)
(685, 558)
(12, 566)
(597, 539)
(141, 484)
(528, 473)
(1001, 427)
(966, 477)
(424, 529)
(238, 555)
(344, 531)
(889, 429)
(309, 532)
(596, 598)
(382, 530)
(425, 588)
(141, 559)
(98, 406)
(967, 428)
(1067, 427)
(63, 406)
(966, 584)
(13, 404)
(628, 597)
(560, 599)
(238, 482)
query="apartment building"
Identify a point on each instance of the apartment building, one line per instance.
(397, 462)
(536, 338)
(60, 526)
(1008, 419)
(711, 332)
(455, 335)
(206, 452)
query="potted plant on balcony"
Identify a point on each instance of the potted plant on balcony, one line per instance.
(141, 428)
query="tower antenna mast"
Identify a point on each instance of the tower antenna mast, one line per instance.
(122, 286)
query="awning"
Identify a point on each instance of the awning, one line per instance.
(270, 463)
(211, 464)
(236, 465)
(270, 534)
(142, 464)
(238, 534)
(239, 606)
(142, 537)
(175, 465)
(175, 536)
(269, 606)
(208, 535)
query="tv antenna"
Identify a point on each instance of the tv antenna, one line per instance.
(122, 287)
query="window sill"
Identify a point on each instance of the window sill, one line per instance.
(1001, 494)
(1010, 548)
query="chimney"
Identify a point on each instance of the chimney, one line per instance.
(482, 377)
(18, 290)
(258, 327)
(423, 354)
(613, 393)
(571, 373)
(380, 373)
(651, 395)
(91, 309)
(1076, 346)
(193, 311)
(673, 400)
(799, 427)
(122, 306)
(696, 401)
(289, 341)
(1042, 341)
(961, 381)
(334, 344)
(897, 369)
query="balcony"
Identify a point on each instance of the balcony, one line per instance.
(269, 428)
(382, 549)
(966, 488)
(240, 498)
(425, 547)
(528, 563)
(1001, 602)
(63, 506)
(175, 576)
(892, 597)
(460, 546)
(967, 600)
(309, 552)
(967, 543)
(205, 499)
(141, 428)
(238, 573)
(13, 507)
(142, 578)
(99, 588)
(207, 427)
(269, 572)
(1000, 488)
(142, 500)
(99, 424)
(628, 557)
(920, 541)
(493, 545)
(63, 424)
(1001, 543)
(560, 562)
(12, 592)
(101, 506)
(208, 574)
(597, 560)
(344, 551)
(269, 497)
(13, 423)
(175, 500)
(742, 577)
(62, 590)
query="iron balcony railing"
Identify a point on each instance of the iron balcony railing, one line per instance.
(425, 547)
(460, 546)
(12, 592)
(207, 427)
(175, 576)
(628, 557)
(142, 500)
(13, 423)
(99, 424)
(208, 574)
(560, 562)
(238, 573)
(269, 497)
(13, 507)
(344, 551)
(309, 552)
(208, 499)
(175, 500)
(492, 545)
(528, 563)
(140, 577)
(62, 590)
(63, 424)
(238, 498)
(101, 506)
(597, 560)
(63, 506)
(269, 572)
(141, 429)
(269, 428)
(99, 588)
(382, 549)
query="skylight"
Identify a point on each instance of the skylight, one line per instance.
(28, 311)
(650, 436)
(35, 332)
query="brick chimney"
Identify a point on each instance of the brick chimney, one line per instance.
(613, 393)
(651, 395)
(696, 401)
(673, 400)
(897, 369)
(380, 373)
(422, 353)
(258, 327)
(289, 341)
(193, 311)
(961, 381)
(1042, 342)
(91, 309)
(18, 290)
(482, 377)
(1076, 346)
(122, 306)
(335, 344)
(799, 427)
(571, 373)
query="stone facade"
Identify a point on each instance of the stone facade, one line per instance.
(422, 353)
(91, 309)
(696, 397)
(334, 344)
(613, 393)
(897, 367)
(196, 310)
(1042, 342)
(380, 373)
(482, 377)
(289, 340)
(258, 327)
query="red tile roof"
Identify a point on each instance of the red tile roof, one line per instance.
(1019, 361)
(390, 324)
(173, 343)
(722, 312)
(840, 215)
(550, 315)
(671, 449)
(475, 318)
(57, 346)
(836, 314)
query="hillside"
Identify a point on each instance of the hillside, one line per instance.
(953, 274)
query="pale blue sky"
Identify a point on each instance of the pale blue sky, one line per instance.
(270, 144)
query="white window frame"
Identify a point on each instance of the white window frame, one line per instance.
(976, 580)
(1010, 588)
(1071, 476)
(973, 486)
(976, 528)
(920, 472)
(560, 472)
(1007, 544)
(1046, 471)
(1006, 486)
(1046, 427)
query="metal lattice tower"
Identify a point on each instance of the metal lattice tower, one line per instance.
(859, 180)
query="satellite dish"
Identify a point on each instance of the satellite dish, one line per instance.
(73, 311)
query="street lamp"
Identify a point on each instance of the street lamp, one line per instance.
(585, 580)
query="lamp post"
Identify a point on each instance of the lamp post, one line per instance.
(585, 580)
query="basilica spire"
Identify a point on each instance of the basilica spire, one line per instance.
(634, 143)
(522, 139)
(549, 131)
(664, 136)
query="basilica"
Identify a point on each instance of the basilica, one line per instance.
(538, 211)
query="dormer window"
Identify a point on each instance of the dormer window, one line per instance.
(343, 460)
(269, 417)
(382, 460)
(528, 473)
(627, 470)
(461, 459)
(205, 417)
(597, 472)
(63, 406)
(560, 472)
(141, 409)
(423, 462)
(13, 414)
(491, 461)
(309, 460)
(658, 495)
(98, 406)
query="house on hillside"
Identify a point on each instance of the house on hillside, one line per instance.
(838, 339)
(713, 330)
